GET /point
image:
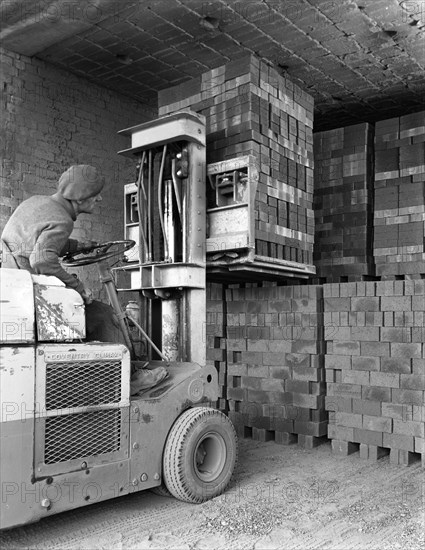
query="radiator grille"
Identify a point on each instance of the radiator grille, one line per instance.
(82, 383)
(81, 435)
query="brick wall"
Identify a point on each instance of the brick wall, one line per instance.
(343, 202)
(399, 217)
(275, 374)
(52, 119)
(251, 109)
(375, 368)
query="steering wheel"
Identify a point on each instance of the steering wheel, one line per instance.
(96, 253)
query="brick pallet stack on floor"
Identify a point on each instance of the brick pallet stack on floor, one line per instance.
(251, 109)
(275, 363)
(399, 219)
(343, 202)
(375, 368)
(215, 333)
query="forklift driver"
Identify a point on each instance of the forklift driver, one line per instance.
(37, 235)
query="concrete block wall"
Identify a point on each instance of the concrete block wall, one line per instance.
(275, 369)
(375, 368)
(52, 119)
(399, 217)
(251, 109)
(343, 202)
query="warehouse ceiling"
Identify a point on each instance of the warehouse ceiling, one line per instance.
(362, 60)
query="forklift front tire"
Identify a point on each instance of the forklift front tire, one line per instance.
(200, 455)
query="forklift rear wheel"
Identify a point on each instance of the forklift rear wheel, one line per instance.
(200, 455)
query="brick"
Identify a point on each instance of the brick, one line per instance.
(251, 383)
(280, 346)
(258, 396)
(252, 357)
(296, 360)
(237, 369)
(334, 332)
(316, 429)
(281, 373)
(258, 371)
(305, 346)
(345, 390)
(397, 365)
(385, 379)
(258, 345)
(273, 359)
(412, 381)
(346, 348)
(406, 350)
(371, 408)
(341, 404)
(355, 377)
(340, 432)
(366, 363)
(305, 373)
(297, 386)
(395, 334)
(308, 401)
(236, 344)
(396, 303)
(340, 362)
(368, 437)
(365, 304)
(337, 304)
(272, 384)
(377, 424)
(399, 441)
(375, 349)
(408, 427)
(237, 394)
(365, 334)
(407, 397)
(349, 420)
(376, 394)
(397, 412)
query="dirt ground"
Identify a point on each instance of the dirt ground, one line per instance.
(281, 497)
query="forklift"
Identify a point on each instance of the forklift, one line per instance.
(72, 431)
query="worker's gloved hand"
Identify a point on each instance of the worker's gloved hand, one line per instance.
(85, 245)
(87, 295)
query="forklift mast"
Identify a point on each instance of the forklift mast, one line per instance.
(165, 214)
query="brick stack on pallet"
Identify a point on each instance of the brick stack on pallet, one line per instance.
(343, 203)
(253, 110)
(275, 363)
(399, 219)
(375, 368)
(216, 338)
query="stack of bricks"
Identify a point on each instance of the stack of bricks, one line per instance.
(375, 368)
(343, 203)
(251, 109)
(215, 332)
(275, 363)
(399, 218)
